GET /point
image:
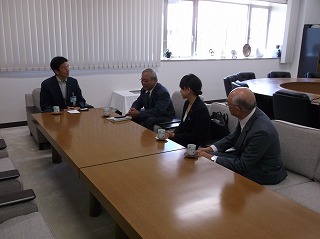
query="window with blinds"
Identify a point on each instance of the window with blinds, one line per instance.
(92, 34)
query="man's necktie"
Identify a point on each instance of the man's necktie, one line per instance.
(148, 99)
(240, 139)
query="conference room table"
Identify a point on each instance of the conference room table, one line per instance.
(268, 86)
(86, 139)
(171, 196)
(264, 88)
(152, 190)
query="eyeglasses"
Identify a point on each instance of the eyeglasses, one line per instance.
(65, 68)
(228, 105)
(144, 80)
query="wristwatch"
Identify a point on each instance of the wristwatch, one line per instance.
(214, 158)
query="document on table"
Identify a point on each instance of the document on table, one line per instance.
(74, 111)
(116, 119)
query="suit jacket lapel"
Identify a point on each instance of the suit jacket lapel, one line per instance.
(245, 131)
(58, 90)
(145, 99)
(241, 138)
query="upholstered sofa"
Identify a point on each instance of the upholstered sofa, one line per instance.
(33, 106)
(20, 218)
(3, 152)
(300, 153)
(9, 175)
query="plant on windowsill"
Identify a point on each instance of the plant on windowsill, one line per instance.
(167, 54)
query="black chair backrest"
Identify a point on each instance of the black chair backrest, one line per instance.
(227, 82)
(237, 84)
(313, 75)
(292, 107)
(246, 76)
(279, 74)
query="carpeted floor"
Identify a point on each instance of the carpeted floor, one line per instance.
(61, 197)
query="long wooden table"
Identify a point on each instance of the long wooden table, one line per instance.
(170, 196)
(153, 191)
(88, 139)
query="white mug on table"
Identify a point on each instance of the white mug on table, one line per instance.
(56, 109)
(191, 149)
(161, 134)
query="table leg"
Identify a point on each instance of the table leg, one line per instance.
(56, 158)
(95, 206)
(119, 233)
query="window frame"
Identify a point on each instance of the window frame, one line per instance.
(194, 41)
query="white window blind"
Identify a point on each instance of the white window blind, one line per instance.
(92, 34)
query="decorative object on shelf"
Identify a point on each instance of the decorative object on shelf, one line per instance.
(223, 55)
(258, 53)
(278, 51)
(234, 54)
(167, 54)
(246, 50)
(211, 52)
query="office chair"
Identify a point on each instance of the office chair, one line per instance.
(279, 74)
(227, 82)
(312, 75)
(246, 76)
(292, 107)
(237, 84)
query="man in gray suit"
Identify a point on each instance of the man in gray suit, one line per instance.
(255, 140)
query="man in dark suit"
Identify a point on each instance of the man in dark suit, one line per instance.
(155, 101)
(60, 89)
(255, 140)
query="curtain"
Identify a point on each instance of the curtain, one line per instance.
(92, 34)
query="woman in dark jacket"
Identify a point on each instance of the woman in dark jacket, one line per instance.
(195, 125)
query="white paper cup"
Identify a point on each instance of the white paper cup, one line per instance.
(191, 149)
(56, 109)
(161, 134)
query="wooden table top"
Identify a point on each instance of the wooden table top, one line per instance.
(170, 196)
(88, 139)
(268, 86)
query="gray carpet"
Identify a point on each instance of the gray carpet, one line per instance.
(61, 197)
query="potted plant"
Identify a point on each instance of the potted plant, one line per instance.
(167, 54)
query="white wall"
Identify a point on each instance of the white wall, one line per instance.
(98, 86)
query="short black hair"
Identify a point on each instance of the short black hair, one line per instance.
(193, 82)
(57, 61)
